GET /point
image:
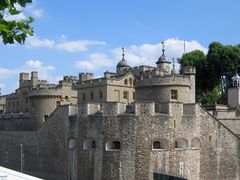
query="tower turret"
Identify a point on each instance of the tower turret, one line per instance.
(122, 65)
(163, 63)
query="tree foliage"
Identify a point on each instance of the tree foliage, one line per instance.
(220, 61)
(11, 30)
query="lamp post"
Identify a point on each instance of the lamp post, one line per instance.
(21, 156)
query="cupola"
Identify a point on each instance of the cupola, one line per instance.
(163, 63)
(122, 65)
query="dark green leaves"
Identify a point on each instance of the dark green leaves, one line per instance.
(220, 61)
(11, 31)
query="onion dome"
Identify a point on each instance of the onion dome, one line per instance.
(123, 62)
(163, 58)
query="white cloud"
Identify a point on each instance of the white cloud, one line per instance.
(145, 54)
(5, 73)
(29, 10)
(30, 65)
(78, 46)
(36, 65)
(2, 86)
(94, 62)
(62, 44)
(148, 54)
(34, 41)
(17, 17)
(37, 13)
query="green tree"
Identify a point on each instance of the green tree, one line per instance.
(10, 30)
(198, 59)
(221, 61)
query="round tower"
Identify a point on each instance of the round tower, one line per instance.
(167, 88)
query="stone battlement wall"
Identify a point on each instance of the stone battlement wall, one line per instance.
(180, 80)
(136, 109)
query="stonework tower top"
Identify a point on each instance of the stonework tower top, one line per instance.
(163, 63)
(122, 65)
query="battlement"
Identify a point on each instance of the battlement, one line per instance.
(189, 70)
(86, 76)
(136, 109)
(157, 80)
(46, 92)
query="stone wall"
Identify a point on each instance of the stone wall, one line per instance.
(204, 135)
(45, 151)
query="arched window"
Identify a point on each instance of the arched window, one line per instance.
(89, 144)
(66, 98)
(100, 95)
(91, 95)
(160, 145)
(195, 143)
(126, 82)
(113, 146)
(130, 81)
(72, 143)
(181, 144)
(83, 96)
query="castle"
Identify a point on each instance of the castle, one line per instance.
(139, 123)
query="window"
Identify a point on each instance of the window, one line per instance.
(180, 144)
(89, 145)
(91, 95)
(159, 145)
(100, 94)
(130, 81)
(72, 143)
(195, 143)
(113, 146)
(209, 138)
(66, 98)
(83, 96)
(134, 95)
(125, 94)
(159, 176)
(174, 123)
(113, 170)
(58, 103)
(45, 118)
(126, 82)
(174, 94)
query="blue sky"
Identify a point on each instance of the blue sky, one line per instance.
(79, 36)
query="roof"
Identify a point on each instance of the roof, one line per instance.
(14, 175)
(236, 77)
(122, 63)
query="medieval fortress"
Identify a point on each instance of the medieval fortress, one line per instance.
(140, 123)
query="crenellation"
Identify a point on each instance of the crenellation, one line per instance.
(113, 108)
